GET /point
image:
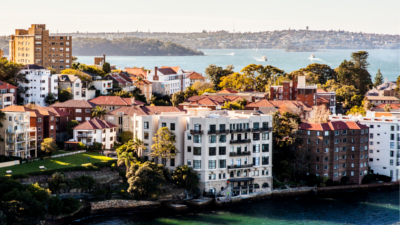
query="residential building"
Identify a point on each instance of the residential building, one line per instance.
(296, 107)
(122, 80)
(8, 94)
(19, 135)
(145, 87)
(376, 100)
(335, 150)
(213, 102)
(194, 77)
(384, 142)
(250, 96)
(327, 98)
(168, 80)
(110, 103)
(388, 88)
(62, 119)
(135, 72)
(41, 83)
(36, 46)
(229, 151)
(95, 130)
(300, 91)
(74, 83)
(105, 87)
(80, 110)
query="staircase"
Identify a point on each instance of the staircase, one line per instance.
(225, 191)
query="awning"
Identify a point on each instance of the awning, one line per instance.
(240, 179)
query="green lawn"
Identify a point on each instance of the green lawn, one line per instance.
(56, 163)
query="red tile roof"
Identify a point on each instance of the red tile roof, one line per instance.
(261, 103)
(196, 76)
(114, 101)
(330, 126)
(144, 110)
(322, 100)
(174, 68)
(4, 85)
(321, 90)
(228, 90)
(136, 71)
(58, 112)
(74, 104)
(392, 105)
(166, 71)
(94, 124)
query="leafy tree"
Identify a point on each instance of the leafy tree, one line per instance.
(190, 91)
(177, 98)
(201, 86)
(91, 69)
(215, 74)
(321, 72)
(64, 95)
(70, 125)
(267, 76)
(356, 110)
(319, 114)
(55, 206)
(208, 90)
(75, 65)
(152, 99)
(106, 68)
(48, 146)
(360, 59)
(378, 78)
(50, 98)
(126, 158)
(56, 182)
(125, 136)
(10, 72)
(70, 205)
(236, 81)
(185, 177)
(122, 94)
(232, 106)
(98, 112)
(345, 93)
(387, 108)
(164, 144)
(52, 70)
(136, 146)
(145, 180)
(83, 76)
(331, 85)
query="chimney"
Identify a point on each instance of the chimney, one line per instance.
(104, 58)
(155, 73)
(132, 101)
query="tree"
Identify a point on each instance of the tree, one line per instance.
(145, 180)
(10, 72)
(136, 146)
(48, 146)
(164, 145)
(387, 108)
(321, 72)
(208, 90)
(125, 136)
(349, 95)
(331, 85)
(52, 70)
(236, 81)
(98, 112)
(378, 78)
(83, 76)
(106, 67)
(356, 110)
(184, 176)
(75, 65)
(189, 92)
(177, 98)
(122, 94)
(215, 74)
(201, 86)
(360, 59)
(126, 158)
(267, 77)
(56, 182)
(70, 125)
(50, 98)
(319, 114)
(354, 73)
(367, 104)
(64, 95)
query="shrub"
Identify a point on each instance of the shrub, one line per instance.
(55, 206)
(81, 146)
(70, 205)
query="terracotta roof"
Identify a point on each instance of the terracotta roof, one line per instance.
(392, 105)
(321, 100)
(383, 98)
(142, 82)
(129, 101)
(174, 68)
(279, 104)
(94, 124)
(136, 71)
(330, 126)
(144, 110)
(74, 104)
(321, 90)
(261, 103)
(228, 90)
(32, 112)
(380, 114)
(114, 100)
(4, 85)
(166, 71)
(196, 76)
(58, 112)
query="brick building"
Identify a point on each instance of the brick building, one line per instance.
(80, 110)
(336, 149)
(292, 90)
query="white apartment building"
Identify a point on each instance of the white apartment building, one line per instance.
(104, 86)
(384, 142)
(168, 80)
(41, 82)
(96, 130)
(73, 82)
(19, 137)
(231, 152)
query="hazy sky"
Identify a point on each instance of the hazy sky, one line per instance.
(371, 16)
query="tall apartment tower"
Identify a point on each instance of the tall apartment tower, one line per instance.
(36, 46)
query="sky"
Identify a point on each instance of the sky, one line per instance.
(370, 16)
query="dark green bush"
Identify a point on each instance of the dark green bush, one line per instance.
(55, 206)
(70, 205)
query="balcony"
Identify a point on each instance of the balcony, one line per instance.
(239, 153)
(240, 166)
(240, 141)
(239, 130)
(256, 129)
(196, 132)
(266, 128)
(84, 135)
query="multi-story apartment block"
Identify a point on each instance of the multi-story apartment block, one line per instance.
(96, 130)
(300, 91)
(8, 95)
(36, 46)
(19, 135)
(384, 142)
(41, 83)
(74, 83)
(80, 110)
(229, 150)
(335, 150)
(168, 80)
(62, 119)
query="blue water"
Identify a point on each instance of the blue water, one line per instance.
(367, 208)
(387, 60)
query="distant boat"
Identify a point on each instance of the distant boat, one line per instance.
(232, 53)
(264, 58)
(312, 56)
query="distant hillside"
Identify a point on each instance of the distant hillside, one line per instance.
(128, 46)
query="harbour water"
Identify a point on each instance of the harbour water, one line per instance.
(379, 207)
(386, 60)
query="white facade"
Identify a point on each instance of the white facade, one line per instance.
(104, 86)
(168, 83)
(75, 84)
(41, 82)
(106, 136)
(384, 142)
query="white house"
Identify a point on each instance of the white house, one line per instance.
(73, 82)
(384, 147)
(168, 80)
(96, 130)
(41, 82)
(104, 86)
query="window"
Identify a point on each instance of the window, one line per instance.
(163, 124)
(256, 161)
(197, 164)
(336, 132)
(308, 132)
(326, 133)
(189, 148)
(265, 147)
(256, 148)
(265, 160)
(197, 139)
(222, 138)
(308, 141)
(212, 151)
(391, 144)
(317, 167)
(265, 136)
(78, 110)
(146, 135)
(172, 162)
(256, 136)
(326, 149)
(51, 127)
(326, 141)
(146, 125)
(172, 126)
(211, 164)
(196, 150)
(213, 138)
(189, 162)
(256, 125)
(344, 149)
(222, 127)
(222, 151)
(326, 167)
(391, 162)
(78, 118)
(39, 120)
(326, 159)
(39, 128)
(222, 163)
(213, 127)
(317, 150)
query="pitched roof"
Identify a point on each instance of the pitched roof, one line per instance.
(322, 100)
(142, 82)
(67, 78)
(4, 85)
(392, 105)
(332, 125)
(144, 110)
(167, 71)
(33, 67)
(114, 100)
(196, 76)
(94, 124)
(383, 98)
(58, 112)
(321, 90)
(174, 68)
(136, 71)
(73, 104)
(228, 90)
(32, 112)
(261, 103)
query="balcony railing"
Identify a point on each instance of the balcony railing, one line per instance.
(240, 141)
(196, 132)
(85, 135)
(240, 166)
(239, 153)
(239, 130)
(266, 128)
(218, 131)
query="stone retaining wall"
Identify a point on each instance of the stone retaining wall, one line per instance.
(122, 204)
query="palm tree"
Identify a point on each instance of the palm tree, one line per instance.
(98, 112)
(387, 108)
(126, 158)
(139, 146)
